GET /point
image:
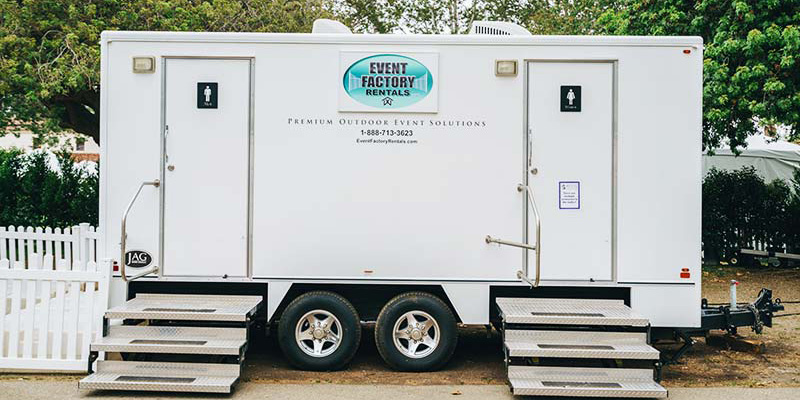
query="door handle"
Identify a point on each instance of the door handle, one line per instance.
(170, 167)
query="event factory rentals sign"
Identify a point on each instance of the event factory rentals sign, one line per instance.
(387, 82)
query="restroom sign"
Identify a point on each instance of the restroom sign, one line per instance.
(207, 94)
(570, 98)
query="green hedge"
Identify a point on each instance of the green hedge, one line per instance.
(740, 208)
(46, 189)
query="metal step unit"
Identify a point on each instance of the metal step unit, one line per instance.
(225, 340)
(552, 347)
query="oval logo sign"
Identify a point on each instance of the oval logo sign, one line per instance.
(138, 258)
(387, 81)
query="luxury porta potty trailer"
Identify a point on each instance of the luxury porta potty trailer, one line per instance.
(546, 185)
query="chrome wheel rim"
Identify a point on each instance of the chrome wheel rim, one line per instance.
(416, 334)
(318, 333)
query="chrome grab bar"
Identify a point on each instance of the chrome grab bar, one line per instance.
(124, 234)
(523, 275)
(490, 239)
(538, 218)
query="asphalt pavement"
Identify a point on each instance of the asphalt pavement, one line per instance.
(63, 390)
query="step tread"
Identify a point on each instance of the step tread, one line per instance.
(578, 312)
(579, 344)
(530, 387)
(173, 340)
(630, 352)
(156, 376)
(584, 382)
(186, 307)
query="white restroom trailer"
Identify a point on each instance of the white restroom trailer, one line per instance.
(357, 172)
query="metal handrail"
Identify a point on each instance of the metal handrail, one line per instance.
(523, 275)
(490, 239)
(124, 234)
(538, 218)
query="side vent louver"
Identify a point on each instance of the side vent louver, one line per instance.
(497, 28)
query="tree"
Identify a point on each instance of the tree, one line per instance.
(751, 71)
(549, 17)
(50, 57)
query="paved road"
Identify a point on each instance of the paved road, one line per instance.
(49, 390)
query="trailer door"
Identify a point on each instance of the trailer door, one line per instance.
(206, 167)
(571, 134)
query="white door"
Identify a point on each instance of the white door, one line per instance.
(206, 166)
(570, 119)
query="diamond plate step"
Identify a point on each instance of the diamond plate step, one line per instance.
(187, 307)
(584, 382)
(578, 312)
(172, 340)
(579, 344)
(167, 377)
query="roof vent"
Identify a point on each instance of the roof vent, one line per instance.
(497, 28)
(323, 25)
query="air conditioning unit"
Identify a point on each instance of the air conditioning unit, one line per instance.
(497, 28)
(324, 25)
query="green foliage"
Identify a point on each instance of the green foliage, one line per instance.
(739, 208)
(50, 57)
(34, 193)
(751, 70)
(791, 218)
(564, 17)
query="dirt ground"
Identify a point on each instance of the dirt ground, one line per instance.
(779, 366)
(478, 358)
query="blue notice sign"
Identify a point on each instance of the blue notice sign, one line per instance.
(569, 195)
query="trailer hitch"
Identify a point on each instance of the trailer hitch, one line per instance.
(756, 315)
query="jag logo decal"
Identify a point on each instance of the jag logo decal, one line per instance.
(138, 258)
(387, 81)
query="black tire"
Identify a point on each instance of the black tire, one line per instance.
(394, 311)
(349, 325)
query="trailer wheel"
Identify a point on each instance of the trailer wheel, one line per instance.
(319, 331)
(416, 331)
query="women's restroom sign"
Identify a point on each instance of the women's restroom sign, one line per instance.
(570, 98)
(569, 195)
(207, 94)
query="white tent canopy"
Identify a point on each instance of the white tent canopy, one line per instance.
(772, 159)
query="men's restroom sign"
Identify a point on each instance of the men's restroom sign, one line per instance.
(207, 94)
(570, 98)
(569, 195)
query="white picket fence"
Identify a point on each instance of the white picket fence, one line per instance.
(75, 244)
(53, 293)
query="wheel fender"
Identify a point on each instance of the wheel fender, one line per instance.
(470, 300)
